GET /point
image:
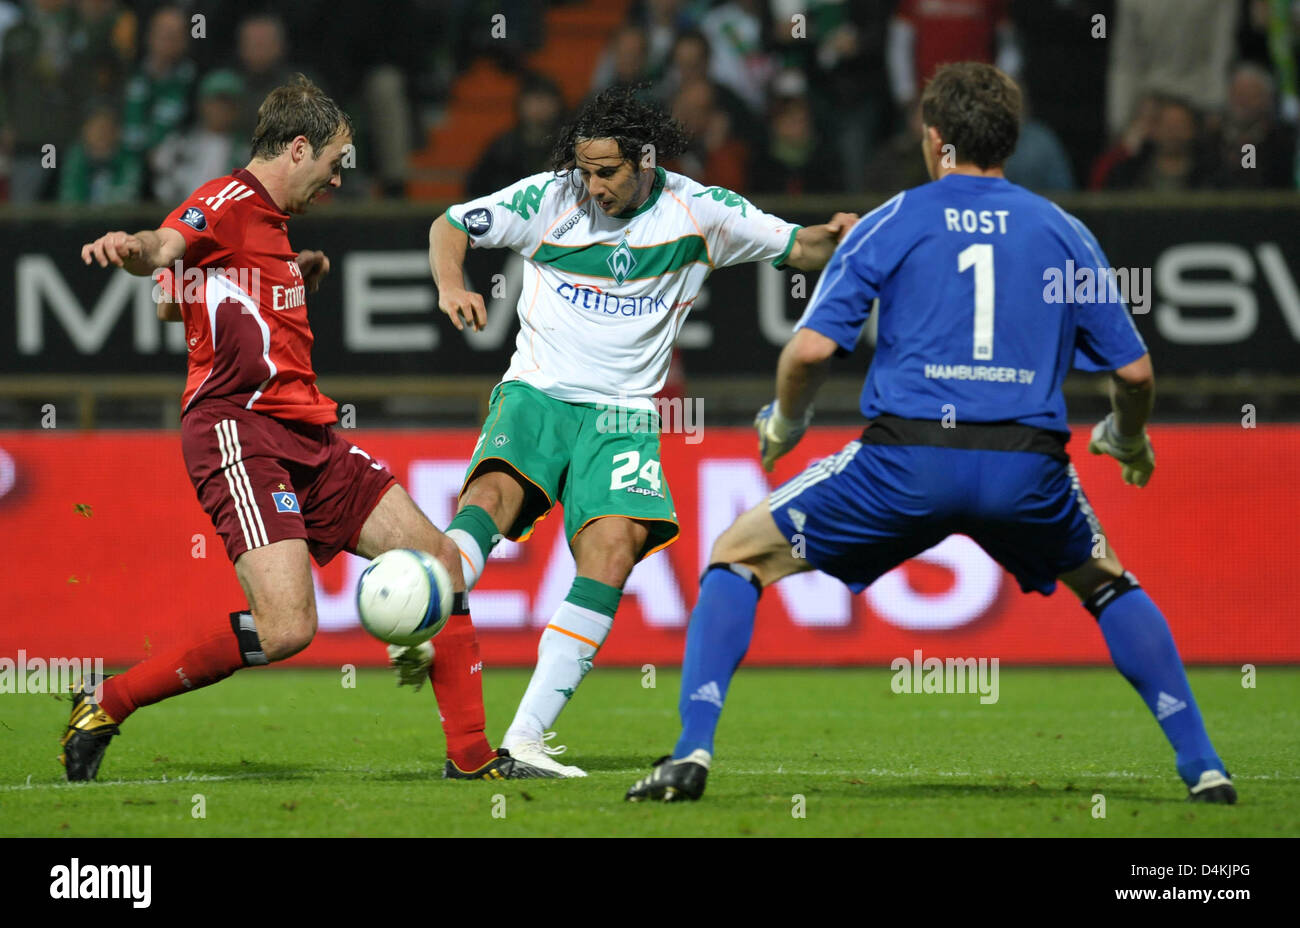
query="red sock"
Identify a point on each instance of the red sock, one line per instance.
(189, 666)
(457, 678)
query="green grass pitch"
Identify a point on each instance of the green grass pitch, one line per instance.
(293, 752)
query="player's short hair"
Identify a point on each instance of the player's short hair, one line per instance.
(620, 113)
(976, 109)
(293, 109)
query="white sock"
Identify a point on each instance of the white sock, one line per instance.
(472, 557)
(564, 655)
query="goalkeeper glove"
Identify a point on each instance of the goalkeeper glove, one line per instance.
(1136, 457)
(777, 434)
(412, 664)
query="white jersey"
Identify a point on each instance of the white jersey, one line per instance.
(604, 297)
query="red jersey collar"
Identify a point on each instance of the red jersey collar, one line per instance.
(249, 178)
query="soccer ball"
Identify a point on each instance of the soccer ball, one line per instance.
(404, 597)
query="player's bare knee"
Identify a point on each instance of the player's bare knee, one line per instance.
(493, 491)
(734, 547)
(286, 633)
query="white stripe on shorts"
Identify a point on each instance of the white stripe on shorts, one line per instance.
(814, 474)
(241, 489)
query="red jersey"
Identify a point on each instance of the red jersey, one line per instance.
(244, 303)
(952, 30)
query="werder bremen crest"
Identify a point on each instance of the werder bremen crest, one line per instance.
(621, 261)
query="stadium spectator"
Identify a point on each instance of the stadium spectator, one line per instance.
(691, 62)
(40, 97)
(158, 95)
(795, 160)
(373, 72)
(1277, 26)
(924, 35)
(1251, 119)
(10, 14)
(715, 156)
(186, 160)
(525, 148)
(104, 45)
(1065, 67)
(100, 170)
(663, 21)
(739, 62)
(1173, 47)
(1039, 162)
(262, 55)
(625, 61)
(841, 48)
(1129, 144)
(895, 165)
(1173, 157)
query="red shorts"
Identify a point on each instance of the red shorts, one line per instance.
(262, 480)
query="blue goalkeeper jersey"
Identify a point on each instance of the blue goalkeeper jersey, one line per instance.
(988, 293)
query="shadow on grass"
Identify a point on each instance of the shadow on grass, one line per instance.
(1018, 792)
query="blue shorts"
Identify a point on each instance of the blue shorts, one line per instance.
(860, 513)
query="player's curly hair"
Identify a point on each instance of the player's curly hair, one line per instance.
(620, 113)
(976, 109)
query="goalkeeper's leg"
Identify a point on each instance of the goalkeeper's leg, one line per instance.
(1143, 650)
(751, 554)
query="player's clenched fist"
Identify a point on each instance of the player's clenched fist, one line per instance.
(1136, 457)
(314, 266)
(841, 223)
(460, 304)
(115, 248)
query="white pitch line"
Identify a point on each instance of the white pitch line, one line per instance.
(957, 774)
(187, 778)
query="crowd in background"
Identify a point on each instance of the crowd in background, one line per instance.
(779, 96)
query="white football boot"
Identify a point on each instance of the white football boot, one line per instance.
(539, 753)
(411, 663)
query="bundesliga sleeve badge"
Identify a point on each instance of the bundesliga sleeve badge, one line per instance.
(478, 221)
(194, 218)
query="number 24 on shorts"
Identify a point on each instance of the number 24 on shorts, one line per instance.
(625, 474)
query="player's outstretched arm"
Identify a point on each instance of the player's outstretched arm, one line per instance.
(800, 372)
(140, 254)
(814, 245)
(447, 246)
(1123, 434)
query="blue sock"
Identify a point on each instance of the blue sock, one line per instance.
(1144, 652)
(716, 641)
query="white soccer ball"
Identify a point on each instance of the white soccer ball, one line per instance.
(404, 596)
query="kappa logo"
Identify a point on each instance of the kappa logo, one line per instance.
(709, 693)
(194, 218)
(1167, 705)
(797, 518)
(569, 224)
(501, 440)
(285, 501)
(621, 261)
(526, 202)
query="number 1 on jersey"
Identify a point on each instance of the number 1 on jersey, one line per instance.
(980, 257)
